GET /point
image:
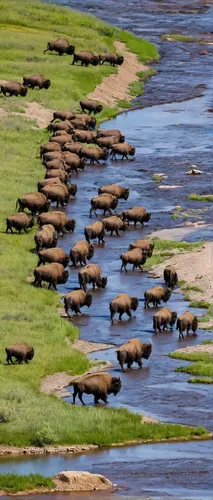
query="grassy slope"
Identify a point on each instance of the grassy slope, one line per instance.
(29, 314)
(202, 365)
(13, 482)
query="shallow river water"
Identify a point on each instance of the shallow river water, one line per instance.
(170, 133)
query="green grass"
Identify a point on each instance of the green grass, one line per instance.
(196, 197)
(157, 178)
(123, 104)
(136, 88)
(192, 288)
(202, 364)
(180, 38)
(201, 380)
(167, 248)
(201, 304)
(12, 483)
(207, 342)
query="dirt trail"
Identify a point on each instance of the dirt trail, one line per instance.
(115, 87)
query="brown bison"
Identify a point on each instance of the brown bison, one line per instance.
(39, 81)
(91, 106)
(58, 172)
(77, 299)
(46, 237)
(58, 163)
(35, 202)
(114, 223)
(170, 276)
(89, 120)
(115, 190)
(81, 251)
(94, 154)
(53, 273)
(20, 351)
(98, 384)
(186, 322)
(136, 214)
(145, 245)
(156, 294)
(53, 255)
(62, 139)
(79, 123)
(91, 274)
(19, 221)
(59, 220)
(124, 149)
(13, 88)
(84, 136)
(105, 202)
(123, 303)
(61, 45)
(57, 193)
(74, 162)
(113, 59)
(63, 115)
(46, 182)
(133, 351)
(107, 142)
(135, 257)
(52, 155)
(163, 318)
(63, 125)
(73, 147)
(86, 57)
(49, 147)
(111, 133)
(93, 231)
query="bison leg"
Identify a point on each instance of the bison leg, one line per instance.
(139, 363)
(128, 312)
(120, 316)
(74, 395)
(117, 232)
(9, 227)
(96, 399)
(9, 359)
(129, 365)
(103, 396)
(80, 397)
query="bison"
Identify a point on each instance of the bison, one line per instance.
(49, 147)
(63, 115)
(46, 237)
(111, 133)
(123, 303)
(19, 221)
(186, 322)
(20, 351)
(113, 59)
(170, 276)
(61, 45)
(107, 142)
(46, 182)
(156, 294)
(93, 231)
(39, 81)
(145, 245)
(86, 57)
(77, 299)
(57, 193)
(124, 149)
(74, 162)
(133, 351)
(98, 384)
(63, 176)
(91, 106)
(73, 147)
(84, 136)
(81, 251)
(53, 255)
(58, 163)
(89, 120)
(62, 139)
(135, 257)
(35, 202)
(163, 318)
(13, 88)
(114, 223)
(59, 220)
(63, 125)
(105, 202)
(115, 190)
(52, 155)
(94, 154)
(136, 214)
(91, 274)
(53, 273)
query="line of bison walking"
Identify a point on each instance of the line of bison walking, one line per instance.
(65, 153)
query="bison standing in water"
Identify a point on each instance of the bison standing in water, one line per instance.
(105, 202)
(76, 299)
(163, 318)
(186, 322)
(170, 276)
(135, 257)
(93, 231)
(81, 251)
(98, 384)
(155, 295)
(123, 303)
(115, 190)
(91, 274)
(133, 351)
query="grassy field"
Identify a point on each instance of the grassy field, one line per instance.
(167, 248)
(202, 365)
(13, 482)
(28, 314)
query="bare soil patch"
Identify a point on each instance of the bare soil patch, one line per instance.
(115, 87)
(207, 348)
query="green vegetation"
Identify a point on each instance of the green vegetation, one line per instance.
(201, 304)
(192, 288)
(157, 178)
(122, 104)
(202, 364)
(12, 483)
(167, 248)
(201, 380)
(136, 88)
(203, 197)
(149, 51)
(180, 38)
(207, 342)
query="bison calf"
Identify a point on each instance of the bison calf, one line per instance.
(20, 351)
(133, 351)
(123, 303)
(98, 384)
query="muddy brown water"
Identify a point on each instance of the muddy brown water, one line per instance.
(171, 129)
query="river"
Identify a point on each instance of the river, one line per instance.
(169, 128)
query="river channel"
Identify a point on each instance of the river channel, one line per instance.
(171, 130)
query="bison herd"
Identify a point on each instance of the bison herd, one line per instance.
(74, 142)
